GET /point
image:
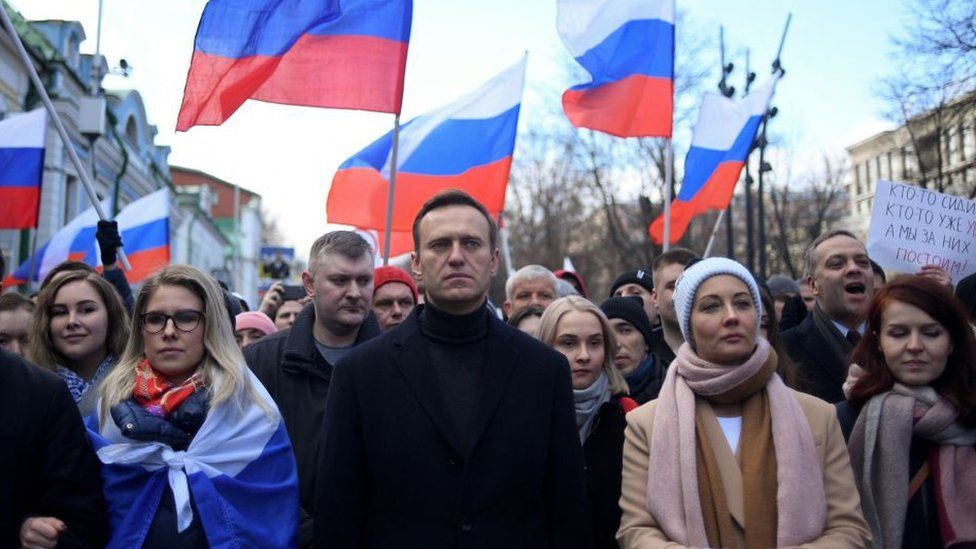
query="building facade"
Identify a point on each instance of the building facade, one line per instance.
(936, 149)
(122, 160)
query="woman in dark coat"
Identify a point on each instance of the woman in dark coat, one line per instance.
(913, 410)
(579, 330)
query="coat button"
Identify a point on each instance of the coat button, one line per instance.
(129, 426)
(465, 526)
(452, 462)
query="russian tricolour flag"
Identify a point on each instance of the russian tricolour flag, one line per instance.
(21, 168)
(627, 46)
(720, 145)
(238, 477)
(319, 53)
(466, 145)
(144, 227)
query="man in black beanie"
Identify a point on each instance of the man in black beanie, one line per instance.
(638, 283)
(635, 339)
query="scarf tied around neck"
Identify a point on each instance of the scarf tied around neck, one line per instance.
(783, 493)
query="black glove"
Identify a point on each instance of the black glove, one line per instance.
(109, 241)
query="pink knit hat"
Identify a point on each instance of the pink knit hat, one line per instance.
(256, 320)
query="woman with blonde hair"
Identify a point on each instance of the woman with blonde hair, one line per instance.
(579, 330)
(728, 455)
(80, 328)
(193, 450)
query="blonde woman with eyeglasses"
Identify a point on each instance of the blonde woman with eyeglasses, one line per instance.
(193, 450)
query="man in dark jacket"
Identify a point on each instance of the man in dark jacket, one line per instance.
(635, 340)
(295, 365)
(839, 271)
(52, 488)
(452, 429)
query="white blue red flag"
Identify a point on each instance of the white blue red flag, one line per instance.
(21, 168)
(627, 46)
(319, 53)
(239, 471)
(720, 145)
(466, 145)
(143, 225)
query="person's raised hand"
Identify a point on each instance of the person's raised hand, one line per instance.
(936, 273)
(273, 299)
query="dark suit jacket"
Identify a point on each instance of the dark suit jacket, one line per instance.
(49, 466)
(819, 371)
(392, 473)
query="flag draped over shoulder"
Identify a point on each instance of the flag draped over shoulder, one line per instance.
(143, 226)
(720, 145)
(348, 54)
(466, 145)
(239, 470)
(21, 168)
(627, 46)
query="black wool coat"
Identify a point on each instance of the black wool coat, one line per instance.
(298, 378)
(819, 370)
(392, 472)
(603, 455)
(48, 463)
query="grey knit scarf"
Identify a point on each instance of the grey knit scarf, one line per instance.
(588, 402)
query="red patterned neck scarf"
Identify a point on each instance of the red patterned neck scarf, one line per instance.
(157, 394)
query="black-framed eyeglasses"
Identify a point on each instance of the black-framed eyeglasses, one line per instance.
(185, 321)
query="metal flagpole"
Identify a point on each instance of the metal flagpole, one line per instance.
(389, 201)
(42, 91)
(669, 151)
(711, 239)
(30, 266)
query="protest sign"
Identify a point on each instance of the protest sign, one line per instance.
(912, 227)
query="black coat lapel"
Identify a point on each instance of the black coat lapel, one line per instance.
(412, 359)
(501, 358)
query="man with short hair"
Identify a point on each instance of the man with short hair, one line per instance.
(635, 339)
(530, 285)
(394, 295)
(454, 429)
(839, 273)
(296, 365)
(781, 288)
(666, 269)
(637, 283)
(15, 322)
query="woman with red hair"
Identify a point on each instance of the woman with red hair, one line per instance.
(913, 411)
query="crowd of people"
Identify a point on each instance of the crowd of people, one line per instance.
(695, 405)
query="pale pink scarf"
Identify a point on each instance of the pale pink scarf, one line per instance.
(672, 475)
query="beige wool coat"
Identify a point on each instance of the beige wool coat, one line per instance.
(845, 526)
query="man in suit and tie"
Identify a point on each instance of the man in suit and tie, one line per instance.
(453, 430)
(839, 272)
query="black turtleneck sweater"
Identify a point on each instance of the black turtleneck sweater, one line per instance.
(456, 345)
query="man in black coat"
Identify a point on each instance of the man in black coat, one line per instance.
(839, 272)
(295, 365)
(52, 488)
(451, 429)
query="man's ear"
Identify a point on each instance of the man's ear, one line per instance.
(415, 266)
(309, 283)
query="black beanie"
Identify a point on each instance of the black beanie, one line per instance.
(639, 277)
(966, 292)
(631, 309)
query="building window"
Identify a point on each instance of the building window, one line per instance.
(872, 169)
(967, 143)
(953, 140)
(71, 190)
(131, 131)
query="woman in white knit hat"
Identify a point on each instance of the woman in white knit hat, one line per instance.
(728, 456)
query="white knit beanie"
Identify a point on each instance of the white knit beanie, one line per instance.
(687, 286)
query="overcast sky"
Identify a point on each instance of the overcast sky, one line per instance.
(835, 52)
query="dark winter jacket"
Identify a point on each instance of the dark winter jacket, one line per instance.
(819, 371)
(177, 431)
(394, 472)
(297, 377)
(603, 456)
(50, 468)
